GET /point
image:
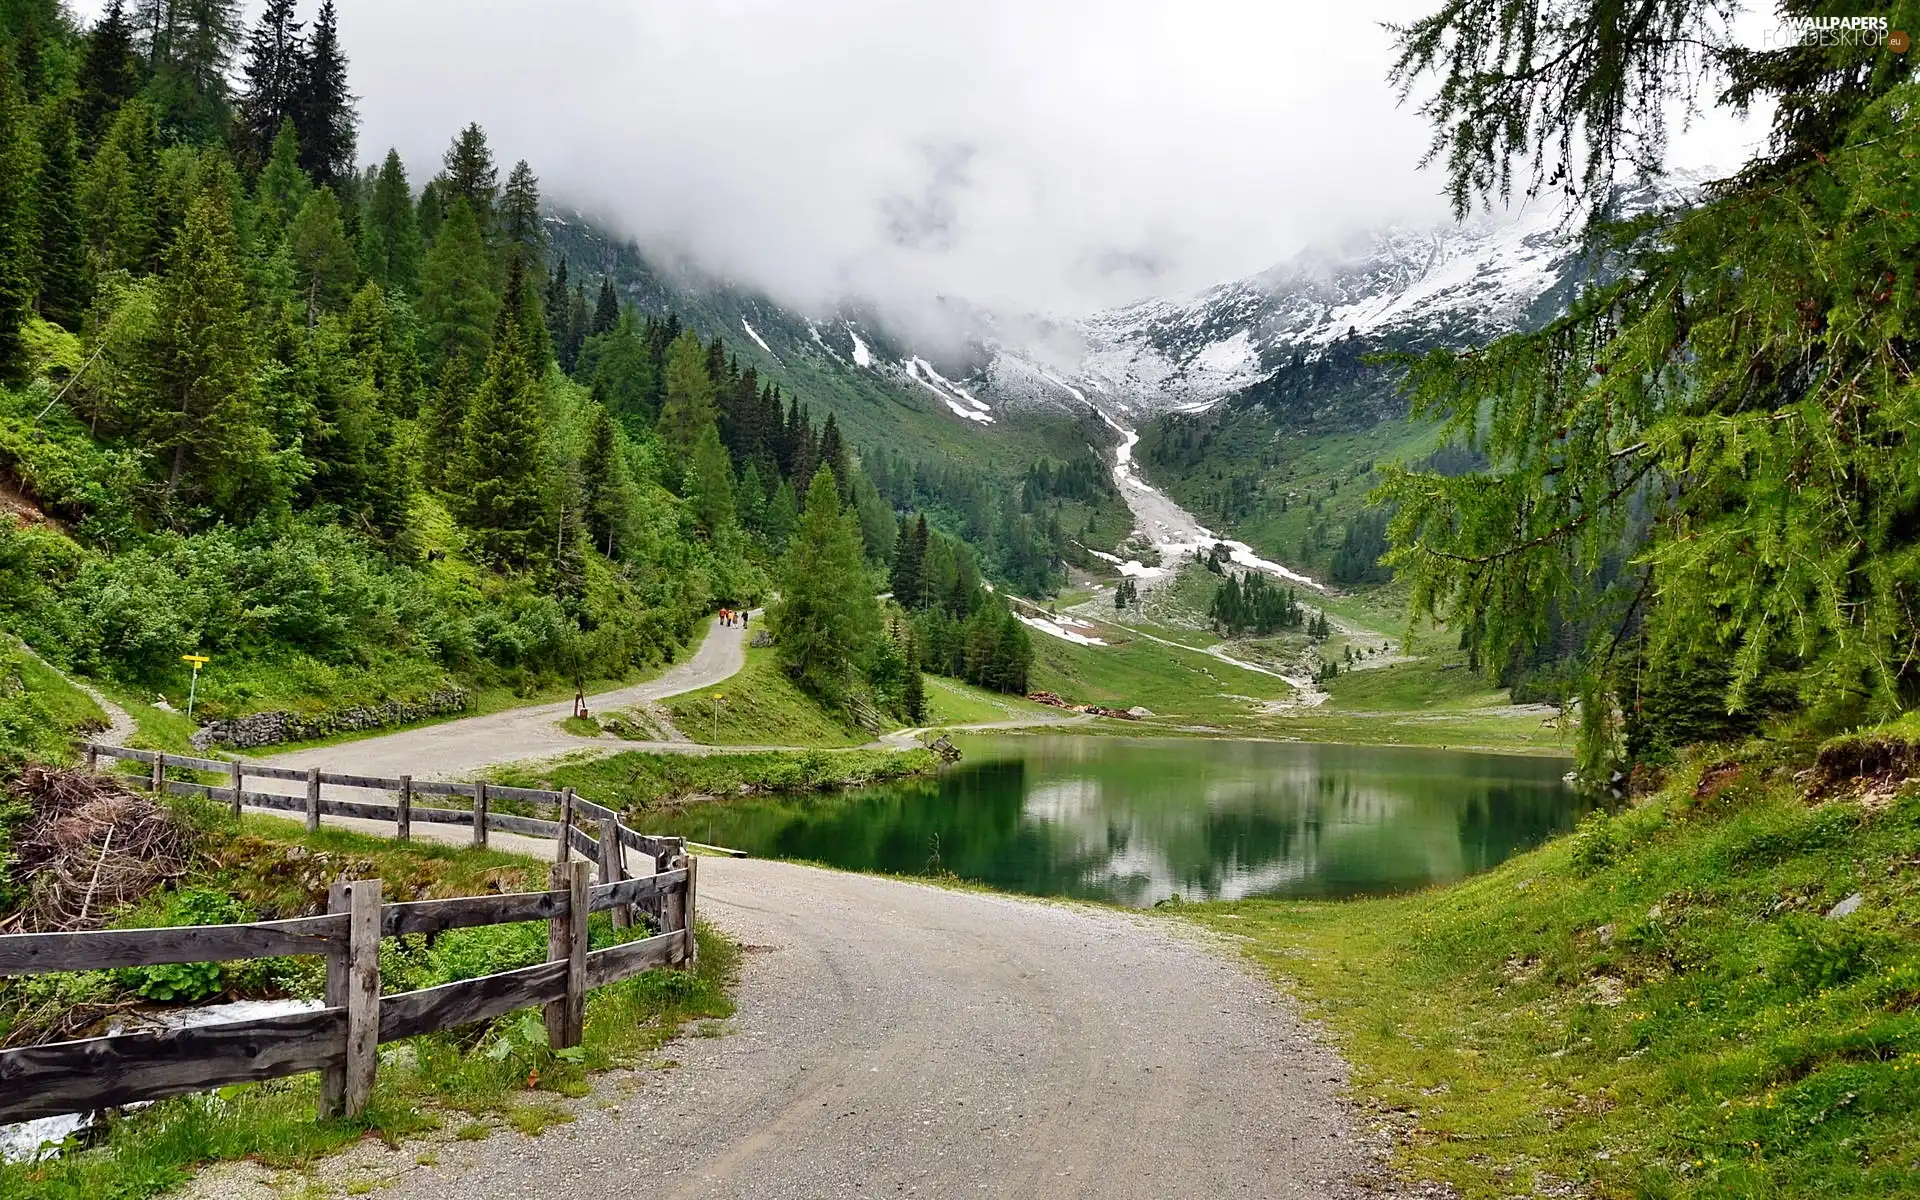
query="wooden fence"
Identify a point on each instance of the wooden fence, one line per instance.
(342, 1038)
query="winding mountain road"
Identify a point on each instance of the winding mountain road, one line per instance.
(460, 748)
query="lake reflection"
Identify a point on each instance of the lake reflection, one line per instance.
(1134, 821)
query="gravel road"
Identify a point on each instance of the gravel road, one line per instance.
(896, 1039)
(460, 748)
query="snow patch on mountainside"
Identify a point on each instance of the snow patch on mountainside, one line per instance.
(957, 400)
(757, 339)
(862, 357)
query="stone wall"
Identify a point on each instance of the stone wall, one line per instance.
(271, 728)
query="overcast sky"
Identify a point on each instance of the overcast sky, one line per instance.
(1030, 155)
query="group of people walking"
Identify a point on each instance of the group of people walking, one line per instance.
(729, 616)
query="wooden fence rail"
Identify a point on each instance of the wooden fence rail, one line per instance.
(341, 1039)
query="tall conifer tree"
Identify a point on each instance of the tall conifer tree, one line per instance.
(456, 295)
(17, 230)
(62, 237)
(469, 174)
(109, 75)
(273, 72)
(501, 494)
(322, 106)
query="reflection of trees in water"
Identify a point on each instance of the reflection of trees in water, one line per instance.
(1132, 823)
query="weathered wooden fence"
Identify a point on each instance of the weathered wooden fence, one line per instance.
(342, 1038)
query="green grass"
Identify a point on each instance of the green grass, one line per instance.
(41, 713)
(1178, 685)
(470, 1080)
(1654, 1006)
(950, 702)
(760, 707)
(636, 781)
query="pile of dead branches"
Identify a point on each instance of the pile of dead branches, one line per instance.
(88, 846)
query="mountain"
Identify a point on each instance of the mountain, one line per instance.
(1398, 288)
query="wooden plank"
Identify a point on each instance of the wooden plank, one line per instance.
(583, 842)
(278, 800)
(122, 752)
(567, 943)
(412, 1013)
(461, 912)
(34, 953)
(403, 810)
(633, 891)
(157, 782)
(431, 787)
(313, 800)
(645, 843)
(532, 826)
(239, 788)
(533, 795)
(263, 771)
(618, 962)
(378, 783)
(480, 815)
(592, 811)
(443, 816)
(72, 1077)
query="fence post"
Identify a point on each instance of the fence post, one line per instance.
(403, 812)
(690, 954)
(565, 848)
(480, 815)
(353, 983)
(567, 942)
(238, 775)
(93, 758)
(673, 914)
(613, 867)
(158, 780)
(313, 799)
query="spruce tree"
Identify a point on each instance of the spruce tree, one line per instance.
(118, 195)
(689, 404)
(275, 62)
(470, 175)
(520, 214)
(710, 483)
(606, 310)
(281, 191)
(391, 218)
(457, 304)
(825, 622)
(445, 422)
(108, 77)
(190, 46)
(501, 499)
(604, 484)
(833, 456)
(64, 291)
(429, 213)
(908, 577)
(322, 107)
(913, 692)
(323, 261)
(576, 328)
(17, 226)
(556, 310)
(204, 417)
(782, 516)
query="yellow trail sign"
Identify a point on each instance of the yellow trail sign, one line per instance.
(198, 660)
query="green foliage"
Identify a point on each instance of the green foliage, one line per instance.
(457, 302)
(1730, 416)
(502, 499)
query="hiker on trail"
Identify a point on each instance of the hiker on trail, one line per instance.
(744, 614)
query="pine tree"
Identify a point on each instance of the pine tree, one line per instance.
(457, 303)
(500, 476)
(520, 214)
(190, 46)
(429, 213)
(118, 197)
(606, 310)
(603, 482)
(391, 218)
(825, 622)
(576, 328)
(17, 225)
(689, 404)
(908, 578)
(556, 301)
(204, 417)
(273, 69)
(782, 516)
(323, 260)
(108, 77)
(469, 175)
(322, 107)
(64, 290)
(833, 456)
(445, 421)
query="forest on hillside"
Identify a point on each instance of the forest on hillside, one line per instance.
(355, 433)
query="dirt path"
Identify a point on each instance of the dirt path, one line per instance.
(459, 748)
(900, 1039)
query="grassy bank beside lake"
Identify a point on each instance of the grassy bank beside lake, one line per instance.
(1713, 993)
(635, 781)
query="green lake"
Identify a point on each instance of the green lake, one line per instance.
(1134, 821)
